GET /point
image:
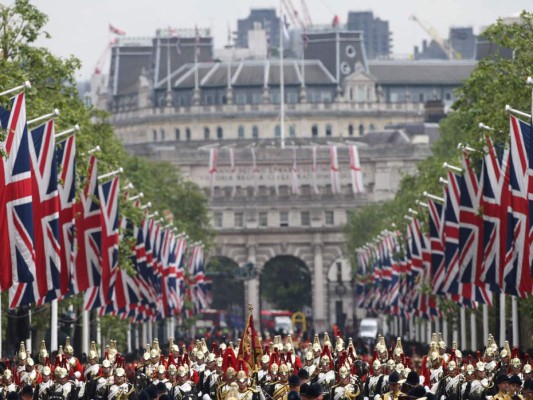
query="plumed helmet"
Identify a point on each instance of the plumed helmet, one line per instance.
(327, 341)
(46, 371)
(211, 357)
(106, 363)
(230, 372)
(30, 362)
(506, 351)
(376, 364)
(343, 372)
(172, 369)
(22, 355)
(398, 349)
(399, 368)
(339, 344)
(161, 369)
(284, 369)
(43, 352)
(182, 371)
(241, 376)
(391, 364)
(93, 352)
(68, 349)
(7, 374)
(274, 367)
(480, 366)
(309, 356)
(316, 344)
(220, 360)
(265, 359)
(470, 369)
(120, 372)
(60, 372)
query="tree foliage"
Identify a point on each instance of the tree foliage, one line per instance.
(54, 86)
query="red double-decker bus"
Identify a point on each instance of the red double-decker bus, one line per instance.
(272, 319)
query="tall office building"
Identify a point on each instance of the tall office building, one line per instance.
(266, 19)
(376, 34)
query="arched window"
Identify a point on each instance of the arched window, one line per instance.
(188, 134)
(292, 131)
(350, 130)
(255, 132)
(220, 133)
(162, 134)
(328, 130)
(154, 135)
(240, 132)
(206, 133)
(361, 130)
(314, 130)
(177, 134)
(277, 131)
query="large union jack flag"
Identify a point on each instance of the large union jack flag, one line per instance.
(17, 257)
(46, 286)
(66, 161)
(88, 234)
(494, 204)
(517, 268)
(197, 279)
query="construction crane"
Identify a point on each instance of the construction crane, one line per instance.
(443, 44)
(293, 14)
(307, 16)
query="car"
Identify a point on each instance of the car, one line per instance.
(283, 325)
(368, 328)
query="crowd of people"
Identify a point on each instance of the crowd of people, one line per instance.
(319, 370)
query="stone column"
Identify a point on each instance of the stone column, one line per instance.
(319, 285)
(252, 288)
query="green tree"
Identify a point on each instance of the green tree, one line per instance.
(54, 86)
(495, 82)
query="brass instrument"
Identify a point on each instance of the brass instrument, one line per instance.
(122, 395)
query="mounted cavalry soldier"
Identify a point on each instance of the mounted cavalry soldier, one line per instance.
(92, 368)
(41, 390)
(326, 374)
(185, 388)
(121, 388)
(345, 389)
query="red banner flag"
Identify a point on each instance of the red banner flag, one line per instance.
(250, 349)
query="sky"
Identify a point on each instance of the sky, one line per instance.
(80, 27)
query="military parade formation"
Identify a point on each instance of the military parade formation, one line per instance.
(285, 371)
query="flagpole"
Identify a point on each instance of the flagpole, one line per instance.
(28, 341)
(514, 305)
(473, 330)
(485, 322)
(463, 327)
(25, 85)
(445, 329)
(54, 326)
(99, 335)
(502, 319)
(85, 332)
(281, 77)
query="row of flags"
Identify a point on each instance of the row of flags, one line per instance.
(478, 238)
(356, 173)
(55, 245)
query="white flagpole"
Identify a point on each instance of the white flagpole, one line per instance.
(128, 338)
(99, 336)
(53, 114)
(473, 331)
(428, 331)
(144, 334)
(415, 327)
(437, 325)
(445, 329)
(28, 341)
(25, 85)
(514, 305)
(463, 328)
(85, 332)
(281, 75)
(54, 326)
(485, 322)
(502, 319)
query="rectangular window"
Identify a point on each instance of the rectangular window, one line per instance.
(257, 98)
(263, 219)
(218, 220)
(305, 218)
(284, 218)
(239, 220)
(330, 218)
(241, 98)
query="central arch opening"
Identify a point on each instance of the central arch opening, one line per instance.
(285, 284)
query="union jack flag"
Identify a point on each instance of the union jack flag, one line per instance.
(88, 234)
(66, 161)
(197, 279)
(517, 269)
(17, 257)
(436, 234)
(494, 203)
(451, 234)
(109, 193)
(470, 232)
(46, 286)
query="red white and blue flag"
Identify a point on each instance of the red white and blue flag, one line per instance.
(66, 160)
(517, 279)
(198, 287)
(17, 257)
(46, 286)
(88, 233)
